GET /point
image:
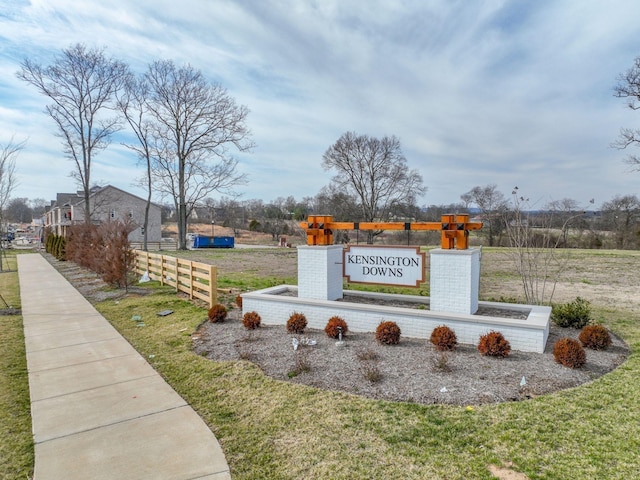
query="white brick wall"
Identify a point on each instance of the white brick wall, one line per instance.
(454, 280)
(320, 272)
(528, 335)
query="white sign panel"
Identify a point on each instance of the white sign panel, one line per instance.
(401, 266)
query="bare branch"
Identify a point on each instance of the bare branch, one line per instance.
(81, 84)
(375, 172)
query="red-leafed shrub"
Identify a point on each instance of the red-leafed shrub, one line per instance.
(332, 329)
(251, 320)
(494, 344)
(297, 323)
(217, 313)
(443, 338)
(569, 352)
(388, 333)
(595, 337)
(239, 301)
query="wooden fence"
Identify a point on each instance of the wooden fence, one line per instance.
(196, 279)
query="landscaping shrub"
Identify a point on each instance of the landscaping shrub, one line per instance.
(494, 344)
(239, 301)
(444, 338)
(569, 352)
(332, 330)
(388, 333)
(574, 314)
(251, 320)
(595, 337)
(217, 313)
(297, 323)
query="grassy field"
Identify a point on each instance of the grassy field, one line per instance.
(276, 430)
(16, 446)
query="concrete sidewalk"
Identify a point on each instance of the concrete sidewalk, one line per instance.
(99, 410)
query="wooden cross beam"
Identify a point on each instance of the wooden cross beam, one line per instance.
(454, 229)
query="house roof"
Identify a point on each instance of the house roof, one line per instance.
(63, 199)
(77, 199)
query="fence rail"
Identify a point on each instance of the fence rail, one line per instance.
(196, 279)
(168, 244)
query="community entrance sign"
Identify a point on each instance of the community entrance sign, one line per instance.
(398, 266)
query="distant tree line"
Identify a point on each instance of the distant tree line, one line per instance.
(614, 224)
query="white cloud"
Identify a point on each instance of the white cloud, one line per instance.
(498, 92)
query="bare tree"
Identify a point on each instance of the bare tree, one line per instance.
(375, 172)
(81, 83)
(133, 104)
(566, 216)
(8, 154)
(535, 248)
(18, 210)
(621, 215)
(492, 205)
(628, 87)
(195, 124)
(332, 200)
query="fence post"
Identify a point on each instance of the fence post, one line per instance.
(191, 279)
(213, 285)
(176, 273)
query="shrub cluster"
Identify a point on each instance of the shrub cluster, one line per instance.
(103, 249)
(388, 333)
(595, 337)
(251, 320)
(217, 313)
(444, 338)
(332, 330)
(569, 352)
(56, 246)
(574, 314)
(494, 344)
(297, 323)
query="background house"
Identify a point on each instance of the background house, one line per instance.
(107, 204)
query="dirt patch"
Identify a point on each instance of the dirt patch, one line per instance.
(505, 473)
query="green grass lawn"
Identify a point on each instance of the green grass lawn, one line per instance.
(272, 429)
(16, 443)
(276, 430)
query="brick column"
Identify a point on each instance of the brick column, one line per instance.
(455, 280)
(320, 272)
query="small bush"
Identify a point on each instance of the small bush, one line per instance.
(442, 361)
(239, 301)
(251, 320)
(217, 313)
(443, 338)
(332, 329)
(371, 372)
(302, 364)
(366, 354)
(574, 314)
(595, 337)
(388, 333)
(494, 344)
(297, 323)
(569, 352)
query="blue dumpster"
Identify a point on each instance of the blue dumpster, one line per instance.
(202, 241)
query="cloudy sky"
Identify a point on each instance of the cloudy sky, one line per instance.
(478, 92)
